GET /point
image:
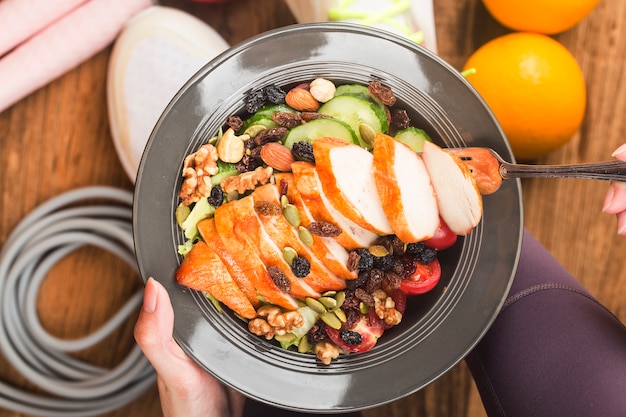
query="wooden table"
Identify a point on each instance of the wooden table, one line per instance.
(58, 139)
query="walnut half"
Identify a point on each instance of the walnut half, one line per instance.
(197, 170)
(385, 308)
(271, 321)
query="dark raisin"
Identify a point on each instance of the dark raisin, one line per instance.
(353, 315)
(234, 122)
(409, 267)
(382, 93)
(392, 280)
(324, 229)
(303, 151)
(364, 296)
(307, 116)
(428, 255)
(397, 266)
(267, 208)
(317, 333)
(275, 94)
(367, 259)
(359, 281)
(351, 301)
(286, 119)
(415, 249)
(274, 134)
(216, 198)
(400, 119)
(350, 337)
(251, 159)
(301, 267)
(353, 261)
(375, 280)
(254, 101)
(384, 263)
(397, 246)
(279, 278)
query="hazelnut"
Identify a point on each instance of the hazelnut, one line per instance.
(322, 89)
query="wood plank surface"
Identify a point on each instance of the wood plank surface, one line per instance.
(58, 139)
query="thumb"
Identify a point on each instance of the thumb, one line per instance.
(154, 328)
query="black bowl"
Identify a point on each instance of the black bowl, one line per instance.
(439, 328)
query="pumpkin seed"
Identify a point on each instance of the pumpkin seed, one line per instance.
(304, 346)
(254, 130)
(378, 250)
(289, 254)
(181, 213)
(328, 302)
(284, 200)
(331, 319)
(315, 305)
(341, 315)
(292, 214)
(363, 308)
(305, 236)
(368, 134)
(330, 293)
(340, 298)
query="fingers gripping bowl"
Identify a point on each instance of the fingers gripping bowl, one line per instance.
(438, 328)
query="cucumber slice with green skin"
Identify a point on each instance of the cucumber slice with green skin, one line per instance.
(265, 113)
(354, 111)
(413, 137)
(356, 90)
(319, 128)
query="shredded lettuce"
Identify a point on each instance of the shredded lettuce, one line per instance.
(201, 210)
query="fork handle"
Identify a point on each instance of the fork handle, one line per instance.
(610, 170)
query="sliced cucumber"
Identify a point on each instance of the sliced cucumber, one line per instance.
(358, 90)
(319, 128)
(354, 111)
(413, 137)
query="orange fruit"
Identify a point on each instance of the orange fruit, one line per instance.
(542, 16)
(535, 88)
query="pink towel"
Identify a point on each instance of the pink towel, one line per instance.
(61, 46)
(20, 19)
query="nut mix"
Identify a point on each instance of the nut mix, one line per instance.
(249, 153)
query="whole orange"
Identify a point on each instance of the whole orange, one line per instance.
(541, 16)
(535, 88)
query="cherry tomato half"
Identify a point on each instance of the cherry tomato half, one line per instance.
(442, 239)
(362, 336)
(424, 279)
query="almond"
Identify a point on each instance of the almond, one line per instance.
(277, 156)
(301, 100)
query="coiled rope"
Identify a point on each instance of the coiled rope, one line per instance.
(53, 230)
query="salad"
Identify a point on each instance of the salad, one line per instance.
(315, 215)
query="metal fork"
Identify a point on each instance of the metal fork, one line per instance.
(607, 170)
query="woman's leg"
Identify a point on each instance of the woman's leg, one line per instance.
(553, 350)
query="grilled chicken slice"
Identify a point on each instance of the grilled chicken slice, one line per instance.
(283, 234)
(460, 202)
(405, 190)
(327, 249)
(346, 173)
(310, 188)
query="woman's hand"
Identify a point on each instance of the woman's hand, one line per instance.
(185, 389)
(615, 200)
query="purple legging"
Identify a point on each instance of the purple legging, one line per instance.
(553, 350)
